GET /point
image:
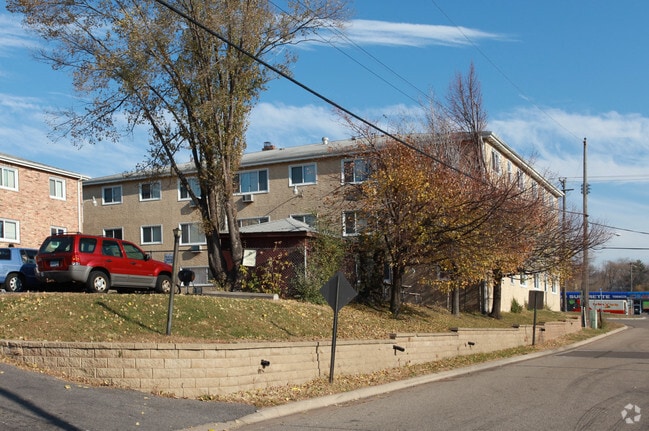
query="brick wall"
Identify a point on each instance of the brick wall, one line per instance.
(192, 370)
(33, 208)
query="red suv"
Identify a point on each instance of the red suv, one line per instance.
(100, 263)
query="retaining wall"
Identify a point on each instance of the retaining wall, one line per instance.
(192, 370)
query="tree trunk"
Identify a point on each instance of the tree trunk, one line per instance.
(395, 293)
(236, 247)
(455, 302)
(497, 294)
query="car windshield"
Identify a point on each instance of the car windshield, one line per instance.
(56, 244)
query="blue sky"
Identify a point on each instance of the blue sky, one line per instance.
(552, 74)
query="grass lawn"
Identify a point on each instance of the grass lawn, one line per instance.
(203, 318)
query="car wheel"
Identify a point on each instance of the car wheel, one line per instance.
(163, 284)
(13, 283)
(98, 282)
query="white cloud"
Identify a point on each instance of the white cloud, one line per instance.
(395, 34)
(13, 35)
(370, 32)
(617, 144)
(288, 126)
(24, 133)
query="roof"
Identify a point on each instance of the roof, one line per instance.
(326, 149)
(322, 150)
(6, 158)
(287, 225)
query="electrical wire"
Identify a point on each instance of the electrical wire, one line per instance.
(502, 73)
(354, 44)
(312, 91)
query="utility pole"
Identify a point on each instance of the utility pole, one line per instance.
(564, 190)
(585, 291)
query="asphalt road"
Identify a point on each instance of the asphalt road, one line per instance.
(37, 402)
(603, 385)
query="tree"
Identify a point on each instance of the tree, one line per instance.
(139, 61)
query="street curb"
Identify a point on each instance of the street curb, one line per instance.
(345, 397)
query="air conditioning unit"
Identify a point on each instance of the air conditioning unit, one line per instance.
(247, 198)
(196, 248)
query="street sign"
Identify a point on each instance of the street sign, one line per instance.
(338, 292)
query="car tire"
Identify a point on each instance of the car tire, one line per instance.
(163, 284)
(14, 283)
(98, 282)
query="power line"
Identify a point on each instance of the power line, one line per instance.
(504, 75)
(360, 48)
(312, 91)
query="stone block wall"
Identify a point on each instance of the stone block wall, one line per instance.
(193, 370)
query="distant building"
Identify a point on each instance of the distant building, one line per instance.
(37, 200)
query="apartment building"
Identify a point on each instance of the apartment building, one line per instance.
(300, 183)
(37, 200)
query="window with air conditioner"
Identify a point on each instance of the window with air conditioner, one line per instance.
(251, 182)
(191, 233)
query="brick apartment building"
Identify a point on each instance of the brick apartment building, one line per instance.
(37, 200)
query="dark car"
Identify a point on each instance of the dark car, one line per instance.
(17, 268)
(100, 263)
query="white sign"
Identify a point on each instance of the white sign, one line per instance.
(249, 257)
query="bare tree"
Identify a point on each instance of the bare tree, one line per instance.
(159, 68)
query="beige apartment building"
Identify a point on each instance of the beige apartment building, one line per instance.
(303, 183)
(37, 200)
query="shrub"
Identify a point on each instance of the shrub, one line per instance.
(516, 307)
(324, 259)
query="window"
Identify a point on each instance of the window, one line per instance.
(132, 252)
(183, 193)
(495, 161)
(115, 232)
(309, 219)
(57, 188)
(55, 230)
(251, 182)
(9, 230)
(191, 233)
(303, 174)
(536, 281)
(112, 195)
(111, 248)
(523, 279)
(252, 221)
(355, 171)
(87, 245)
(150, 191)
(9, 178)
(509, 171)
(151, 234)
(519, 180)
(352, 223)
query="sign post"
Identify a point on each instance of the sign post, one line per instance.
(338, 292)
